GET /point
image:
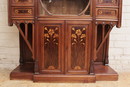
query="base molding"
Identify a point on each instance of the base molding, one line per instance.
(102, 73)
(65, 78)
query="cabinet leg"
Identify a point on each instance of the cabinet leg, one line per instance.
(36, 71)
(92, 68)
(106, 52)
(21, 60)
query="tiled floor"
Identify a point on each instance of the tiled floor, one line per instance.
(124, 81)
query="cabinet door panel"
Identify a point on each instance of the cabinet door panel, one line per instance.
(77, 43)
(52, 47)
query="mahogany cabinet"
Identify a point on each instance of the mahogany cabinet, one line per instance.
(64, 40)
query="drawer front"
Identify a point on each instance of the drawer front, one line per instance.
(107, 13)
(20, 12)
(107, 2)
(22, 2)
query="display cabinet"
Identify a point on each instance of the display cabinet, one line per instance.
(64, 40)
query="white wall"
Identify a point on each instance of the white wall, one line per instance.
(119, 44)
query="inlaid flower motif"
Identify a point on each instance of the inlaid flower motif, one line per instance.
(74, 36)
(83, 36)
(51, 32)
(46, 35)
(55, 36)
(78, 32)
(78, 36)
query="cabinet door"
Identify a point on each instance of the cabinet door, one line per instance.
(78, 47)
(52, 47)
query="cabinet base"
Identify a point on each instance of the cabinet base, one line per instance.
(102, 73)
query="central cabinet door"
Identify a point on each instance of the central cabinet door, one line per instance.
(77, 47)
(52, 47)
(65, 47)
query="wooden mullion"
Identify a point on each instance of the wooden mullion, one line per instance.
(95, 43)
(33, 41)
(103, 31)
(26, 31)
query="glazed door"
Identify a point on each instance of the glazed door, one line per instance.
(77, 47)
(52, 47)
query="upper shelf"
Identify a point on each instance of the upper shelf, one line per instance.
(65, 7)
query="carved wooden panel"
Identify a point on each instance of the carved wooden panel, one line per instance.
(52, 47)
(107, 2)
(17, 11)
(107, 13)
(78, 46)
(22, 2)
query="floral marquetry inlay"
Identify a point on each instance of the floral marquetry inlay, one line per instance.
(78, 36)
(51, 35)
(50, 39)
(78, 46)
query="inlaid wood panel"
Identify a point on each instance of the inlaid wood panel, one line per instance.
(107, 2)
(22, 2)
(77, 57)
(107, 13)
(52, 47)
(23, 12)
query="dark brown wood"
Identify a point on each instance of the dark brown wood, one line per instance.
(102, 73)
(64, 41)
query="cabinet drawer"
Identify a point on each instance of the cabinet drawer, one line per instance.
(107, 2)
(107, 13)
(22, 12)
(22, 2)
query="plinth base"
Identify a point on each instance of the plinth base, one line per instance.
(102, 73)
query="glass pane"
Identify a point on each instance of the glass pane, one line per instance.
(64, 7)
